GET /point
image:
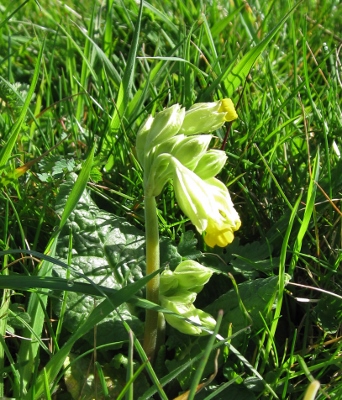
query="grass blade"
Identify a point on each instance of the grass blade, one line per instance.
(128, 76)
(282, 280)
(198, 376)
(309, 208)
(235, 77)
(29, 348)
(102, 310)
(78, 188)
(9, 145)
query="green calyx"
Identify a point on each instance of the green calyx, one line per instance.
(178, 291)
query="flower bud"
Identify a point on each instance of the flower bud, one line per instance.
(207, 321)
(165, 125)
(191, 149)
(168, 145)
(182, 305)
(227, 106)
(220, 229)
(206, 117)
(168, 282)
(210, 164)
(192, 276)
(141, 139)
(159, 173)
(187, 149)
(191, 195)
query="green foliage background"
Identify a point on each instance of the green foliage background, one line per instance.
(76, 81)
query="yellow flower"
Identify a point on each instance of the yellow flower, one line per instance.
(208, 205)
(220, 231)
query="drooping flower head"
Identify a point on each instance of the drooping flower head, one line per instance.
(208, 205)
(174, 145)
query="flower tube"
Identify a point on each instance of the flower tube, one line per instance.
(206, 117)
(208, 205)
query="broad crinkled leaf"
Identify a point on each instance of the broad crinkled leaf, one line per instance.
(187, 246)
(329, 313)
(169, 255)
(82, 384)
(106, 250)
(253, 258)
(257, 297)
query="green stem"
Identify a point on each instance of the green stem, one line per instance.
(152, 264)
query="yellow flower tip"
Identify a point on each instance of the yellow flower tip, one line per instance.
(221, 238)
(227, 106)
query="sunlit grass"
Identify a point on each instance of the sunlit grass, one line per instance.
(283, 171)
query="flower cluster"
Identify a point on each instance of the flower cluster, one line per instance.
(174, 145)
(178, 291)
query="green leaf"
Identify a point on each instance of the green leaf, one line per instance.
(81, 382)
(309, 209)
(329, 313)
(107, 251)
(63, 166)
(17, 315)
(36, 309)
(126, 84)
(257, 297)
(37, 303)
(187, 246)
(253, 258)
(169, 255)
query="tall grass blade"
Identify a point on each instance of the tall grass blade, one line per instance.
(128, 77)
(27, 355)
(282, 281)
(84, 70)
(209, 347)
(309, 208)
(9, 145)
(78, 188)
(2, 23)
(232, 78)
(5, 303)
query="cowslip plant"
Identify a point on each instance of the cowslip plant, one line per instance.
(174, 146)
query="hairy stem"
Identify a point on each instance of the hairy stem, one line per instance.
(152, 264)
